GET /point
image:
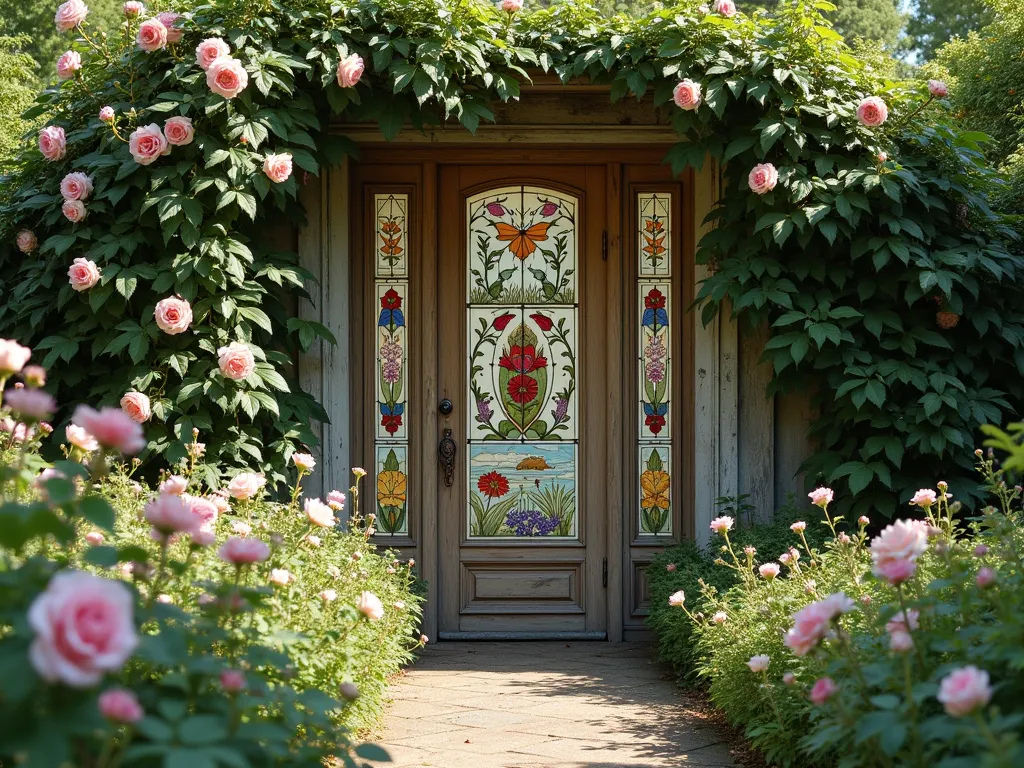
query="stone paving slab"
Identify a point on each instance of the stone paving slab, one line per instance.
(545, 705)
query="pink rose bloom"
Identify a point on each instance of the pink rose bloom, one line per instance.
(30, 404)
(68, 63)
(670, 567)
(133, 8)
(759, 663)
(903, 540)
(981, 550)
(70, 15)
(319, 513)
(84, 627)
(169, 515)
(241, 527)
(148, 142)
(821, 497)
(107, 114)
(903, 622)
(863, 520)
(720, 617)
(204, 510)
(964, 690)
(938, 89)
(236, 361)
(245, 485)
(136, 405)
(313, 541)
(152, 35)
(725, 7)
(232, 681)
(511, 6)
(986, 577)
(811, 623)
(722, 524)
(677, 599)
(120, 706)
(328, 595)
(370, 606)
(350, 692)
(785, 557)
(52, 143)
(749, 551)
(304, 461)
(763, 178)
(173, 315)
(81, 439)
(244, 551)
(74, 211)
(336, 500)
(789, 678)
(76, 186)
(824, 689)
(278, 168)
(844, 538)
(94, 538)
(924, 498)
(872, 112)
(83, 274)
(280, 577)
(798, 527)
(686, 95)
(26, 241)
(168, 19)
(226, 77)
(883, 156)
(111, 427)
(769, 570)
(901, 642)
(211, 49)
(350, 69)
(174, 485)
(178, 131)
(895, 571)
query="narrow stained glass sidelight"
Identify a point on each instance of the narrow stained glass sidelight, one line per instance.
(522, 310)
(654, 369)
(390, 315)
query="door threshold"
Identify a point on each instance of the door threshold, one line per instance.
(462, 636)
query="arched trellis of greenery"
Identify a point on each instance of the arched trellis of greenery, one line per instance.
(859, 265)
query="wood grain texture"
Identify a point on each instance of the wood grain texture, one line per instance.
(756, 425)
(793, 415)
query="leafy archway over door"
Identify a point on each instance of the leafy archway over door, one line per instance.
(862, 240)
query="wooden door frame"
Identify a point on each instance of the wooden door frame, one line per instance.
(429, 158)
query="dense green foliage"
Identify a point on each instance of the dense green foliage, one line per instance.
(935, 22)
(877, 20)
(32, 20)
(16, 94)
(689, 568)
(848, 258)
(966, 595)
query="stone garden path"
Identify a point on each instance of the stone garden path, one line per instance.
(546, 705)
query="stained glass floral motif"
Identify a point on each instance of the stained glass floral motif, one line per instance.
(654, 234)
(392, 241)
(391, 358)
(654, 368)
(522, 247)
(522, 489)
(522, 340)
(392, 489)
(655, 489)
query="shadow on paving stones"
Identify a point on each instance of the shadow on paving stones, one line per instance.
(549, 705)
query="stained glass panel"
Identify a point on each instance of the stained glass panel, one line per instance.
(655, 489)
(392, 243)
(654, 362)
(522, 339)
(655, 235)
(392, 306)
(392, 490)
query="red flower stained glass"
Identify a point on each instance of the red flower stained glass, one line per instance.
(493, 484)
(391, 300)
(655, 422)
(522, 389)
(391, 422)
(523, 359)
(501, 323)
(543, 322)
(655, 299)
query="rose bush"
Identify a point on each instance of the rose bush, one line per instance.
(144, 627)
(874, 329)
(900, 648)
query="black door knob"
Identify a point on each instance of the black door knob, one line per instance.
(446, 407)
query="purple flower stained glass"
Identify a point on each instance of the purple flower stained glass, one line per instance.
(561, 410)
(530, 522)
(496, 209)
(484, 412)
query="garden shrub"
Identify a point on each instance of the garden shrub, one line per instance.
(688, 567)
(814, 660)
(171, 628)
(855, 220)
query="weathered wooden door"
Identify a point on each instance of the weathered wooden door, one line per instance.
(522, 426)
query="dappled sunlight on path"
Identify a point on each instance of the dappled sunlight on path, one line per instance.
(546, 705)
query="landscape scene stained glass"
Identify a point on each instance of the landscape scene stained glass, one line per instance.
(522, 339)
